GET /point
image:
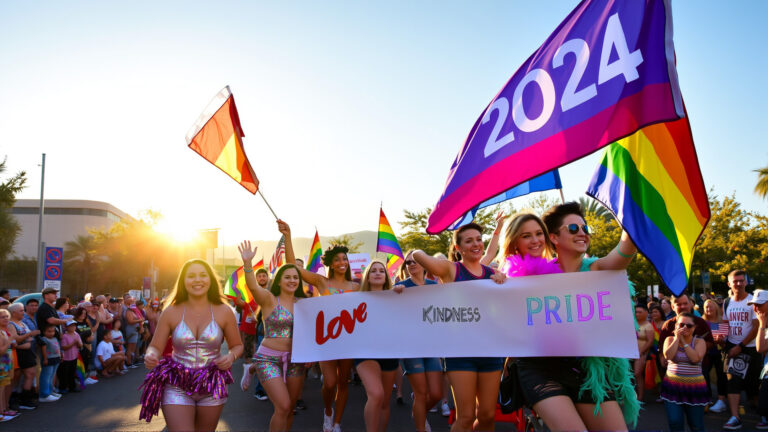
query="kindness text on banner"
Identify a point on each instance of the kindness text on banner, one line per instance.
(572, 314)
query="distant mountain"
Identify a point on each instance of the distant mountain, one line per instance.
(301, 246)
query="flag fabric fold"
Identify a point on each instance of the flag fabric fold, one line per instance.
(278, 258)
(652, 182)
(315, 262)
(387, 243)
(217, 137)
(236, 289)
(547, 181)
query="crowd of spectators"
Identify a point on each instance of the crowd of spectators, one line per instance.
(52, 348)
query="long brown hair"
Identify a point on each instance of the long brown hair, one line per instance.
(512, 233)
(179, 293)
(454, 254)
(366, 286)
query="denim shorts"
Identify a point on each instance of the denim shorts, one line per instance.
(474, 364)
(421, 365)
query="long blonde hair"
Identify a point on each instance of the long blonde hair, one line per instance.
(512, 229)
(366, 286)
(718, 314)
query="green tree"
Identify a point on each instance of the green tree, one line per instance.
(594, 207)
(761, 188)
(9, 227)
(81, 255)
(416, 237)
(347, 240)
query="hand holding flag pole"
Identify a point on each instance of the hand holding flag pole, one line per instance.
(218, 137)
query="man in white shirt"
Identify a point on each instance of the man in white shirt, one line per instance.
(741, 340)
(760, 305)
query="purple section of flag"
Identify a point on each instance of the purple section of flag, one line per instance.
(564, 113)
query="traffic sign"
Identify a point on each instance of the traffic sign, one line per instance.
(53, 267)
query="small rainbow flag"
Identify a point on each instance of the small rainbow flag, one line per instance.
(80, 371)
(235, 287)
(387, 243)
(651, 181)
(315, 261)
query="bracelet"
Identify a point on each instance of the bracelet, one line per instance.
(624, 255)
(248, 269)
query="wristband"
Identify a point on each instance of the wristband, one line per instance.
(248, 269)
(624, 255)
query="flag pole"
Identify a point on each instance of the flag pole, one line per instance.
(562, 197)
(267, 203)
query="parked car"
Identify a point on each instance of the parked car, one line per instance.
(25, 298)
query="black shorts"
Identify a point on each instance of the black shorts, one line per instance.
(386, 365)
(544, 377)
(26, 358)
(751, 382)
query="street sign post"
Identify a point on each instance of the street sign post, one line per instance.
(54, 256)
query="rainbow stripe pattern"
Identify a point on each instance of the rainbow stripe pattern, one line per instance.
(80, 373)
(388, 244)
(315, 255)
(218, 137)
(651, 181)
(235, 287)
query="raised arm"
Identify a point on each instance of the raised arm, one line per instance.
(441, 268)
(493, 246)
(263, 297)
(290, 257)
(619, 258)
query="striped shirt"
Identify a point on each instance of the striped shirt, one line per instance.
(680, 364)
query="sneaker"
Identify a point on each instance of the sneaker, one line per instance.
(445, 410)
(134, 366)
(327, 422)
(300, 405)
(733, 423)
(27, 405)
(6, 417)
(49, 398)
(762, 425)
(260, 395)
(89, 381)
(718, 406)
(245, 381)
(337, 427)
(56, 394)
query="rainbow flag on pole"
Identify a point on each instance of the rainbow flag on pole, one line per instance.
(218, 137)
(651, 181)
(235, 287)
(315, 261)
(387, 243)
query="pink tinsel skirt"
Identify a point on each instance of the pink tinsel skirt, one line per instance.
(206, 380)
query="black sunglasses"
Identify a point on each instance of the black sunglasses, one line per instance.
(690, 326)
(574, 229)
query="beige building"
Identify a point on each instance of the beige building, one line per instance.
(63, 221)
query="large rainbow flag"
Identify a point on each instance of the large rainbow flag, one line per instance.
(387, 243)
(217, 136)
(235, 287)
(651, 181)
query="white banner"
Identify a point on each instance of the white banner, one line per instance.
(570, 314)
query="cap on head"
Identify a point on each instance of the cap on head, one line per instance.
(49, 290)
(759, 297)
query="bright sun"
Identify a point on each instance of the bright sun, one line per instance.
(178, 231)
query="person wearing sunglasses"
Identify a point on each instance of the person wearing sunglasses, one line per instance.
(604, 383)
(424, 374)
(684, 389)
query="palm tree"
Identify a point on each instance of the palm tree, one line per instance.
(81, 252)
(594, 207)
(761, 188)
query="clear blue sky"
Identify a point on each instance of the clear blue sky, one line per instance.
(344, 104)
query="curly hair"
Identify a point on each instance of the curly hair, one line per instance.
(330, 254)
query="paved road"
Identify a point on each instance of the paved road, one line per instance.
(113, 405)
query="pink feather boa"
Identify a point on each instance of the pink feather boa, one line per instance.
(517, 266)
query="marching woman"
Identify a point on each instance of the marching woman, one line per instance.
(339, 281)
(191, 384)
(282, 379)
(424, 374)
(582, 393)
(377, 375)
(475, 380)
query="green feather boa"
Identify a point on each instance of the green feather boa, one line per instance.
(607, 373)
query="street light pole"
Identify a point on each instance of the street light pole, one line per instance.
(40, 250)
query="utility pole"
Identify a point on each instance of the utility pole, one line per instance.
(40, 248)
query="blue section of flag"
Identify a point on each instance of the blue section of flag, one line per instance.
(547, 181)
